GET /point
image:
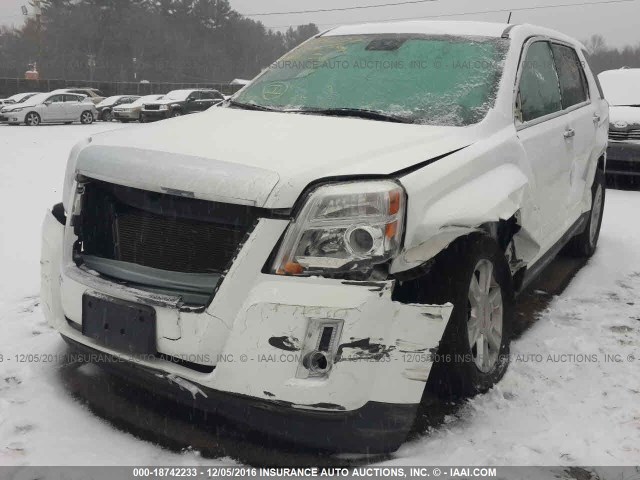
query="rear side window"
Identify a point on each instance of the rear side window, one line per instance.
(539, 86)
(572, 78)
(71, 98)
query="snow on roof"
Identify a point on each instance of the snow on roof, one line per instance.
(430, 27)
(456, 28)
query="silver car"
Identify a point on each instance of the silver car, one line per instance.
(52, 108)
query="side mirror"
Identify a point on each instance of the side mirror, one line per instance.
(47, 103)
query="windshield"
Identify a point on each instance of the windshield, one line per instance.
(434, 80)
(21, 97)
(38, 98)
(620, 87)
(177, 95)
(109, 101)
(148, 98)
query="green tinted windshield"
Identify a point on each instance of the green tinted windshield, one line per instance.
(436, 80)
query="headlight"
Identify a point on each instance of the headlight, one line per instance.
(342, 228)
(13, 110)
(164, 107)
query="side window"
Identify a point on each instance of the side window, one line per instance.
(194, 96)
(56, 98)
(206, 96)
(539, 88)
(71, 98)
(593, 72)
(572, 78)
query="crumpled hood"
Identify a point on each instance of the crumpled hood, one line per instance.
(260, 158)
(628, 115)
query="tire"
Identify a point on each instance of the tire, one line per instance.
(124, 121)
(32, 119)
(68, 123)
(460, 370)
(584, 244)
(86, 117)
(107, 116)
(143, 119)
(176, 113)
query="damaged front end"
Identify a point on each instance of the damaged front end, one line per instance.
(248, 319)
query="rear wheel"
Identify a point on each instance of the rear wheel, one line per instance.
(86, 118)
(472, 274)
(584, 244)
(32, 119)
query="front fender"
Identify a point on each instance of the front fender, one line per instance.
(495, 195)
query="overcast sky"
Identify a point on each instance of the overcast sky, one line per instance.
(617, 22)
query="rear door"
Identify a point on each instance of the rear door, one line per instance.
(583, 120)
(72, 107)
(542, 129)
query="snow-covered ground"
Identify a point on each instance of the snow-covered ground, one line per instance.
(581, 406)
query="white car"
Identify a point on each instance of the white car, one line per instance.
(51, 108)
(13, 101)
(346, 233)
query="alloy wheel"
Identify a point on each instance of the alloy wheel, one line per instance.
(33, 120)
(485, 322)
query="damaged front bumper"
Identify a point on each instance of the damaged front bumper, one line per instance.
(325, 363)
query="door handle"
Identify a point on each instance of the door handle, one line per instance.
(596, 118)
(569, 132)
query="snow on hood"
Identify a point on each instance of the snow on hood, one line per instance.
(628, 115)
(621, 87)
(260, 158)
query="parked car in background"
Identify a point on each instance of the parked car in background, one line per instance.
(622, 91)
(180, 102)
(52, 108)
(105, 107)
(366, 229)
(95, 95)
(13, 100)
(130, 112)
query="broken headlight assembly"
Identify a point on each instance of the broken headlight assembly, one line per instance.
(344, 229)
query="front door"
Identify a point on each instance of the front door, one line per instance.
(545, 134)
(54, 109)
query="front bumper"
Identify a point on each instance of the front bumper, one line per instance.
(623, 158)
(152, 115)
(374, 428)
(126, 115)
(254, 335)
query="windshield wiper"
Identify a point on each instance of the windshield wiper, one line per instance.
(252, 106)
(355, 112)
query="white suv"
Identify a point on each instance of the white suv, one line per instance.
(348, 231)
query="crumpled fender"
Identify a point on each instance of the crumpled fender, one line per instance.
(492, 196)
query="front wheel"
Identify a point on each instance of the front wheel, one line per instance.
(107, 116)
(176, 113)
(473, 275)
(585, 243)
(86, 118)
(32, 119)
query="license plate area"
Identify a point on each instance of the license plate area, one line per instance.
(118, 324)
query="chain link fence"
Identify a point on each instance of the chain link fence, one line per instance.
(11, 86)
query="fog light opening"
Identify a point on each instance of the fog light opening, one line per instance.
(317, 362)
